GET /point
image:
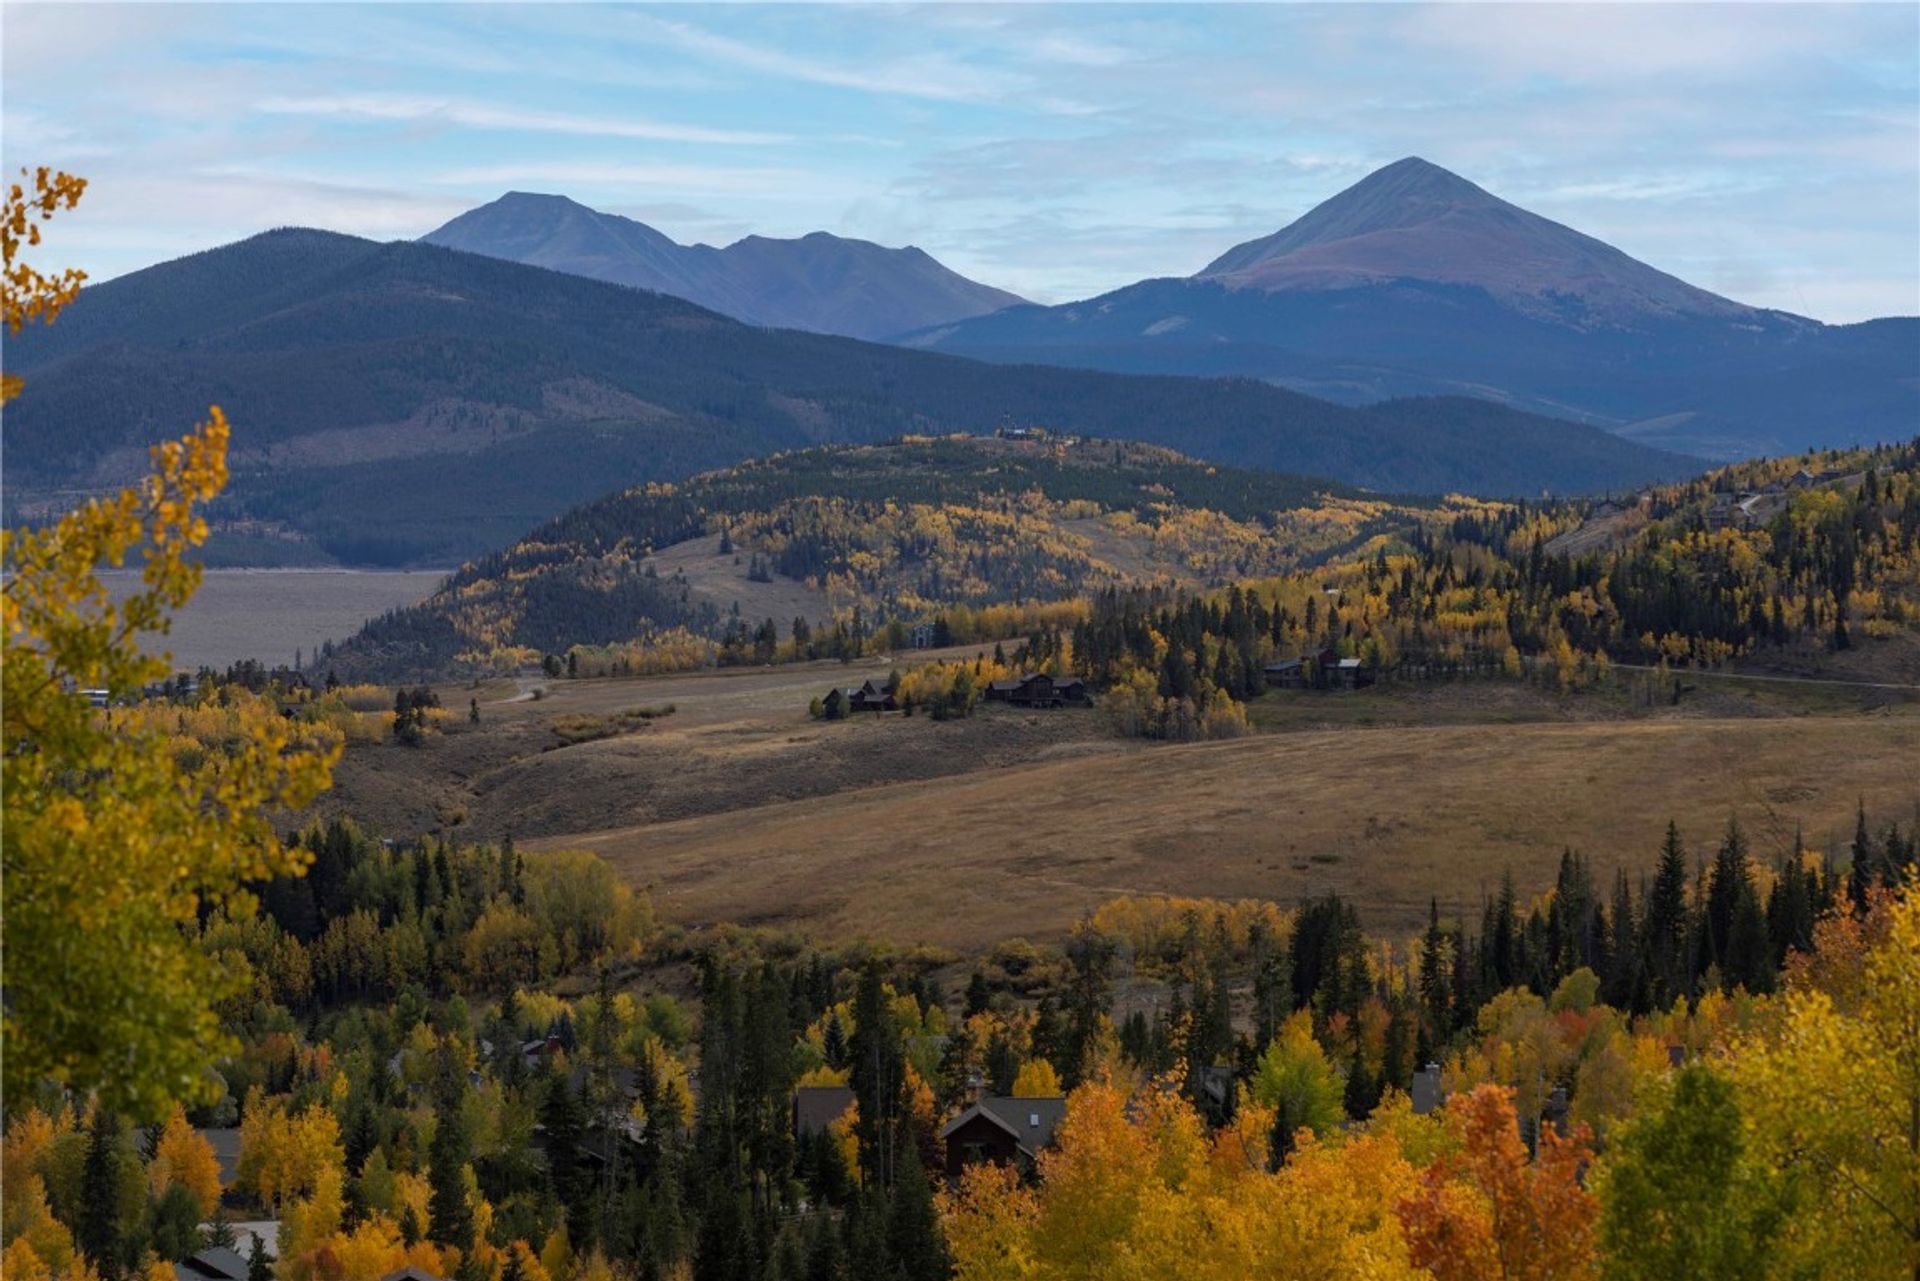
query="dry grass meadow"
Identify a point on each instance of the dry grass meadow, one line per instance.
(738, 807)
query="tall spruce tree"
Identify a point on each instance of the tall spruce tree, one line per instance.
(98, 1232)
(449, 1214)
(1666, 925)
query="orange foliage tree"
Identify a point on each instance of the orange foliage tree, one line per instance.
(1484, 1210)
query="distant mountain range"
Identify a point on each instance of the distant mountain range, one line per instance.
(409, 404)
(1415, 281)
(822, 283)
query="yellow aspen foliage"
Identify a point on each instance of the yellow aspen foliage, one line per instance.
(1036, 1080)
(556, 1256)
(307, 1226)
(1136, 1190)
(29, 1224)
(112, 845)
(282, 1156)
(844, 1133)
(30, 294)
(184, 1156)
(1830, 1084)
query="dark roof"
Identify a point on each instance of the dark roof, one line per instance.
(1030, 1121)
(226, 1151)
(1427, 1092)
(215, 1263)
(1009, 684)
(411, 1273)
(1286, 665)
(815, 1107)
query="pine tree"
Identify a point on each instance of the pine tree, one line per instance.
(1362, 1093)
(979, 997)
(449, 1214)
(98, 1231)
(1666, 924)
(259, 1263)
(913, 1229)
(1435, 984)
(1729, 879)
(1749, 959)
(562, 1123)
(1860, 876)
(877, 1063)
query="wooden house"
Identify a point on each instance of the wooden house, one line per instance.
(815, 1107)
(1347, 673)
(870, 696)
(1288, 673)
(1006, 1131)
(1038, 689)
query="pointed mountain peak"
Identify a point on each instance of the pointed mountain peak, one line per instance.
(1415, 221)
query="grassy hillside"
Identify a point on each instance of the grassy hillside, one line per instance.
(403, 403)
(896, 531)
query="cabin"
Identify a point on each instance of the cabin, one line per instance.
(815, 1107)
(1347, 673)
(1329, 671)
(1288, 673)
(1005, 1131)
(1038, 689)
(870, 696)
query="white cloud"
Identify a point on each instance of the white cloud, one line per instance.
(931, 76)
(1612, 43)
(672, 180)
(479, 115)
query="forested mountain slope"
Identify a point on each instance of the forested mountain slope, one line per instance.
(1797, 562)
(402, 403)
(905, 530)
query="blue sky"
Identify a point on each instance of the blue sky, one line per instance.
(1769, 152)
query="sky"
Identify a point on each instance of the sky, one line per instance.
(1769, 152)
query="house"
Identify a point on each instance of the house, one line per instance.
(1347, 673)
(922, 635)
(541, 1048)
(1006, 1131)
(1040, 690)
(1217, 1090)
(815, 1107)
(870, 696)
(411, 1273)
(1289, 673)
(215, 1263)
(1757, 509)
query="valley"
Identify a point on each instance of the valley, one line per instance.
(737, 807)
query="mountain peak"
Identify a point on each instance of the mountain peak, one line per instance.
(819, 281)
(1415, 221)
